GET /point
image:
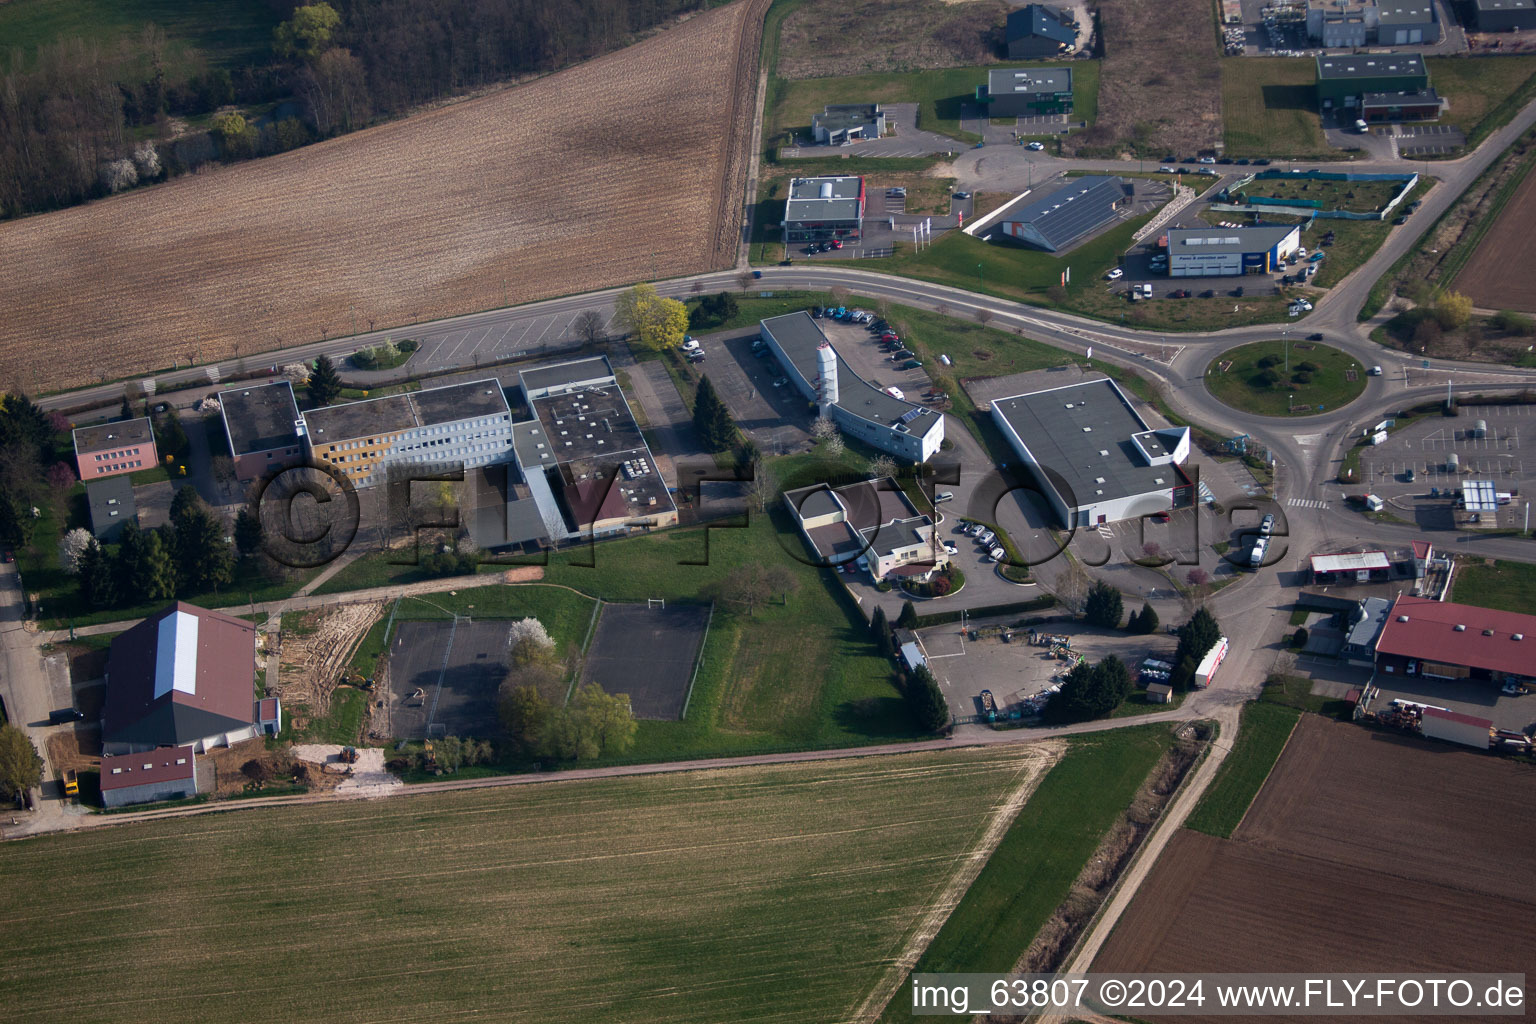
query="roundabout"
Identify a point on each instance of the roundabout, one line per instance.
(1285, 378)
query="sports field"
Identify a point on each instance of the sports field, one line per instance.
(1364, 851)
(748, 894)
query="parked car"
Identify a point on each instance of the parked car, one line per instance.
(1375, 371)
(1161, 517)
(1242, 161)
(1165, 169)
(757, 273)
(943, 496)
(997, 554)
(1208, 171)
(1146, 291)
(962, 195)
(911, 364)
(63, 715)
(1224, 160)
(1116, 274)
(1036, 146)
(1262, 161)
(950, 549)
(1315, 337)
(1207, 159)
(1512, 690)
(1401, 220)
(986, 536)
(1267, 525)
(781, 382)
(1208, 294)
(888, 336)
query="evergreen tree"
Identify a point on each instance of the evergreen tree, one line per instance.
(1114, 682)
(97, 585)
(908, 617)
(145, 570)
(1183, 674)
(1105, 607)
(247, 532)
(881, 627)
(324, 383)
(1073, 702)
(930, 711)
(203, 559)
(1197, 636)
(1146, 620)
(126, 412)
(717, 431)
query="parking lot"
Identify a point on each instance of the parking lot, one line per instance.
(1426, 445)
(860, 348)
(777, 419)
(1428, 139)
(1015, 670)
(1474, 697)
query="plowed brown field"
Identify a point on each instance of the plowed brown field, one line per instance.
(630, 166)
(1498, 275)
(1362, 852)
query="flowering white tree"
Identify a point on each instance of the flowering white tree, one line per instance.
(529, 641)
(147, 159)
(823, 428)
(117, 175)
(72, 547)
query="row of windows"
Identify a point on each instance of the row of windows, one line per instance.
(115, 467)
(123, 453)
(442, 431)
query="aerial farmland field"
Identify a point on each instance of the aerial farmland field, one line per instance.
(747, 894)
(630, 166)
(1364, 851)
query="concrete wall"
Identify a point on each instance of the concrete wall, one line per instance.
(149, 793)
(255, 465)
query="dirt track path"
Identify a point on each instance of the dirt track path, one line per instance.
(965, 873)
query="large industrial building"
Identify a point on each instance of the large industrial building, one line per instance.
(859, 408)
(1039, 30)
(1346, 24)
(1504, 15)
(1095, 459)
(824, 209)
(465, 425)
(1229, 252)
(586, 468)
(1031, 92)
(842, 123)
(184, 677)
(262, 426)
(1442, 640)
(1072, 212)
(872, 521)
(1344, 81)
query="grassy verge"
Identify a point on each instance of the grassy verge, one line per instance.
(1483, 92)
(1042, 854)
(938, 94)
(1262, 735)
(1246, 385)
(1500, 584)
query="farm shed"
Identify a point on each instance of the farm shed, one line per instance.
(168, 773)
(1010, 92)
(1055, 221)
(1159, 693)
(1039, 30)
(1456, 727)
(1093, 457)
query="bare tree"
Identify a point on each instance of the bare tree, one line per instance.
(554, 524)
(834, 445)
(839, 295)
(823, 428)
(763, 488)
(588, 326)
(744, 279)
(882, 466)
(983, 316)
(1072, 586)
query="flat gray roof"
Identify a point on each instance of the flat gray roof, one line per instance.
(840, 116)
(800, 337)
(566, 374)
(261, 418)
(1214, 240)
(1505, 5)
(1072, 211)
(1406, 12)
(1017, 81)
(532, 446)
(1082, 432)
(807, 203)
(112, 435)
(109, 495)
(1413, 98)
(1370, 66)
(588, 424)
(395, 413)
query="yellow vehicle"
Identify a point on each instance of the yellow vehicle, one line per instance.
(71, 782)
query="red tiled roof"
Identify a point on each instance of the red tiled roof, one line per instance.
(1430, 634)
(596, 500)
(145, 769)
(1421, 549)
(1457, 716)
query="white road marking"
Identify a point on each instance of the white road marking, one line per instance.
(1306, 503)
(1307, 439)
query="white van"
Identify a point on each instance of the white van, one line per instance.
(943, 496)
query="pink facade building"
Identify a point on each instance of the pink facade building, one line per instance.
(112, 448)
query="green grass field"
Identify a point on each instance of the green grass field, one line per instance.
(748, 893)
(798, 675)
(1507, 585)
(1269, 108)
(1260, 739)
(1042, 854)
(227, 33)
(1240, 384)
(1483, 93)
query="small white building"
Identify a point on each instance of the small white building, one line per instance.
(1230, 252)
(870, 521)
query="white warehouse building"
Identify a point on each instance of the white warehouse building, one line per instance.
(1230, 252)
(858, 408)
(1095, 459)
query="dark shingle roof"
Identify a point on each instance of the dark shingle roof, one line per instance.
(1038, 20)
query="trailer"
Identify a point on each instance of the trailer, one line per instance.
(1455, 727)
(988, 705)
(1206, 671)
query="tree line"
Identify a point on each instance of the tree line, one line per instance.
(80, 119)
